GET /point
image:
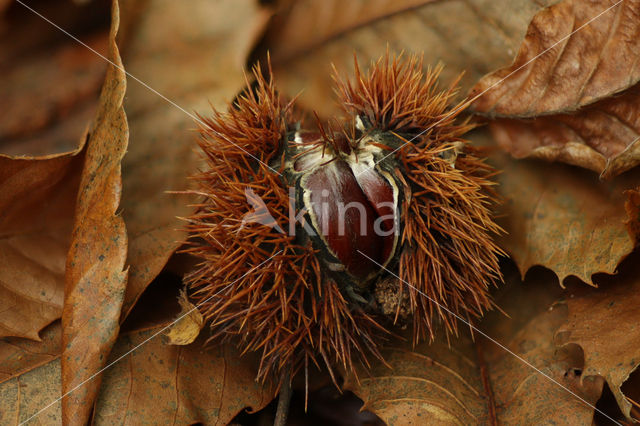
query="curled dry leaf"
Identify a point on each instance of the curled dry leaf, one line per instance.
(197, 58)
(473, 36)
(572, 92)
(95, 278)
(30, 378)
(166, 384)
(478, 382)
(188, 323)
(604, 322)
(37, 199)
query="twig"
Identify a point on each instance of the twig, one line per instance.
(284, 399)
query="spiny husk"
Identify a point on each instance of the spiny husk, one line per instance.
(252, 281)
(270, 289)
(448, 259)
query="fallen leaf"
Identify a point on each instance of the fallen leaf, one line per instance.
(563, 218)
(50, 81)
(479, 382)
(576, 75)
(305, 25)
(196, 61)
(603, 137)
(25, 395)
(30, 378)
(604, 323)
(591, 53)
(156, 383)
(166, 384)
(36, 100)
(95, 276)
(473, 36)
(188, 323)
(37, 201)
(19, 355)
(536, 309)
(59, 137)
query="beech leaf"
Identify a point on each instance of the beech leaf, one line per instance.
(471, 36)
(37, 199)
(572, 92)
(604, 322)
(95, 278)
(30, 378)
(167, 384)
(564, 218)
(479, 382)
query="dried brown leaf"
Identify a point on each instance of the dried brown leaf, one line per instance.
(166, 384)
(197, 58)
(307, 25)
(37, 200)
(95, 278)
(188, 323)
(19, 355)
(50, 81)
(473, 36)
(155, 384)
(577, 73)
(591, 53)
(563, 218)
(481, 383)
(30, 378)
(603, 137)
(604, 322)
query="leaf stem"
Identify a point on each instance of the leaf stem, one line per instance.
(284, 399)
